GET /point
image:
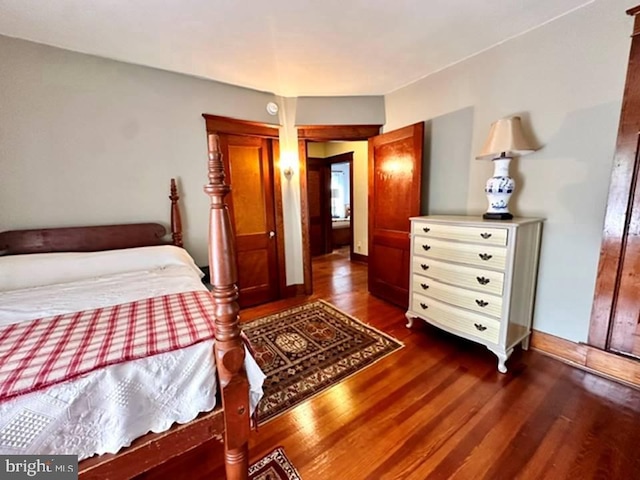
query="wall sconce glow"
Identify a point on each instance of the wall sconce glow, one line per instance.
(288, 161)
(397, 166)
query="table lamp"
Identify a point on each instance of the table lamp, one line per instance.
(506, 138)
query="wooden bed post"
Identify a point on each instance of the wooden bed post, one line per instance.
(229, 349)
(176, 220)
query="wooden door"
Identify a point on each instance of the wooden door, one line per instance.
(251, 205)
(395, 165)
(318, 191)
(615, 317)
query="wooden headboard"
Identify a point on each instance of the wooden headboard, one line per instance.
(94, 238)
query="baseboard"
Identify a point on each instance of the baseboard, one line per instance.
(586, 357)
(293, 290)
(358, 257)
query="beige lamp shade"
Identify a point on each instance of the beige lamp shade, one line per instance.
(506, 136)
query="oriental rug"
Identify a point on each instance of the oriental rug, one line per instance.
(306, 349)
(274, 466)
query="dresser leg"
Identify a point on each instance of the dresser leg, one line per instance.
(503, 356)
(409, 320)
(525, 342)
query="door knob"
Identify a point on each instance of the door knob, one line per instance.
(272, 234)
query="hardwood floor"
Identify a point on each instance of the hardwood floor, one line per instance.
(439, 409)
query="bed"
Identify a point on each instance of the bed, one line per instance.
(340, 232)
(169, 390)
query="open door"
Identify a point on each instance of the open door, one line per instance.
(395, 167)
(319, 191)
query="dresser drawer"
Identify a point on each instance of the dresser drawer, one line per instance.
(471, 253)
(456, 319)
(488, 281)
(482, 235)
(479, 302)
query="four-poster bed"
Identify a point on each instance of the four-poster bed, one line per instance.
(228, 422)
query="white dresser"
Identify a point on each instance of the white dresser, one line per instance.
(476, 278)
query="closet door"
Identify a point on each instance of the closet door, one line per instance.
(615, 318)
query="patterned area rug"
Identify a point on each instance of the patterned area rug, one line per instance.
(274, 466)
(307, 349)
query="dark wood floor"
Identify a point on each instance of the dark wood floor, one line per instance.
(439, 409)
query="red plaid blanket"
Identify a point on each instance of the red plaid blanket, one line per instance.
(36, 354)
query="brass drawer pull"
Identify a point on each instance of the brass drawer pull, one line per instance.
(485, 235)
(480, 327)
(424, 267)
(426, 229)
(426, 248)
(424, 286)
(482, 280)
(424, 306)
(485, 256)
(482, 303)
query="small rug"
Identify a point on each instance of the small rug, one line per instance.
(274, 466)
(306, 349)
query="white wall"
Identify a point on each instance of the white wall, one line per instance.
(89, 141)
(566, 80)
(363, 110)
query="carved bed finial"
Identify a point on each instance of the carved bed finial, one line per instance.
(176, 219)
(229, 349)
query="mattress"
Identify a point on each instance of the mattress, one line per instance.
(106, 409)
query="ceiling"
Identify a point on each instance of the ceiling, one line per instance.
(288, 47)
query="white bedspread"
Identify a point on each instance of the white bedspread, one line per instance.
(107, 409)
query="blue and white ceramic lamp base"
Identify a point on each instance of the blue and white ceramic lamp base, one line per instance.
(499, 189)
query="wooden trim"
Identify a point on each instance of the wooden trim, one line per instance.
(304, 218)
(346, 157)
(636, 23)
(586, 357)
(277, 192)
(345, 133)
(234, 126)
(358, 257)
(633, 11)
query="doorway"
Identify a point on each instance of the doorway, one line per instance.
(392, 177)
(330, 183)
(308, 135)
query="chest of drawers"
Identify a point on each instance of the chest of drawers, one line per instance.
(476, 278)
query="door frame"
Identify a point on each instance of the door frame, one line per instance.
(321, 133)
(232, 126)
(325, 210)
(346, 157)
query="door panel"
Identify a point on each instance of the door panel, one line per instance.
(395, 167)
(625, 329)
(318, 188)
(247, 159)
